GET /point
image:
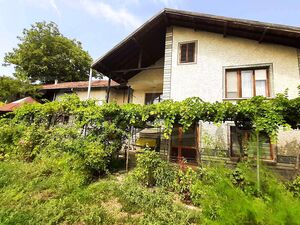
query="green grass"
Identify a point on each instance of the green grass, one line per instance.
(57, 189)
(50, 191)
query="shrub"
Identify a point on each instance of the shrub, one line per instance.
(94, 153)
(229, 197)
(156, 205)
(184, 183)
(9, 137)
(152, 170)
(52, 190)
(294, 187)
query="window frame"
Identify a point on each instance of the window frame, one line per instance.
(180, 147)
(239, 80)
(195, 52)
(247, 135)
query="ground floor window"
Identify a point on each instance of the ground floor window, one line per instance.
(184, 145)
(152, 98)
(243, 143)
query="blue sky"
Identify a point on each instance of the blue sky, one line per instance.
(101, 24)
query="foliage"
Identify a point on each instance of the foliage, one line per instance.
(29, 142)
(294, 187)
(186, 178)
(13, 89)
(56, 188)
(152, 170)
(51, 190)
(52, 154)
(44, 54)
(257, 113)
(229, 196)
(156, 204)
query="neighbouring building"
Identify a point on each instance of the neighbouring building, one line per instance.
(178, 54)
(99, 91)
(16, 104)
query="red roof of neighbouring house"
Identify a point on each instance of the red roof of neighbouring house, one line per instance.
(78, 84)
(16, 104)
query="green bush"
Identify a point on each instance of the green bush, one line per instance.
(186, 178)
(156, 204)
(9, 137)
(229, 197)
(294, 187)
(151, 170)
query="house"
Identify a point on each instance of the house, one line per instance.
(99, 92)
(16, 104)
(179, 54)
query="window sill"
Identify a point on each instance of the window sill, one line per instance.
(237, 99)
(187, 63)
(266, 161)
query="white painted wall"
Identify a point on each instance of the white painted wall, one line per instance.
(204, 79)
(99, 95)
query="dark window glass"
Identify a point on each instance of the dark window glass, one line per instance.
(188, 145)
(191, 52)
(243, 143)
(183, 50)
(152, 98)
(187, 52)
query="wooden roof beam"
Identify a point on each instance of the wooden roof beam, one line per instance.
(104, 66)
(166, 19)
(138, 44)
(263, 35)
(225, 27)
(138, 69)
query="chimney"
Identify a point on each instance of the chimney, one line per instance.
(55, 81)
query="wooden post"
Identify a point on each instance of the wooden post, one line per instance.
(257, 161)
(127, 150)
(108, 90)
(128, 94)
(198, 142)
(180, 144)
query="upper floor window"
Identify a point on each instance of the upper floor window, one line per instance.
(152, 98)
(187, 52)
(246, 83)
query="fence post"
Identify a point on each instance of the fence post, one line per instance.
(257, 161)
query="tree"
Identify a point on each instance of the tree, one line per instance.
(44, 54)
(12, 89)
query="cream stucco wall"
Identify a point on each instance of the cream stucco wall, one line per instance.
(100, 95)
(214, 52)
(147, 81)
(205, 78)
(116, 95)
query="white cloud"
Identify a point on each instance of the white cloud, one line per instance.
(112, 14)
(168, 3)
(44, 4)
(54, 6)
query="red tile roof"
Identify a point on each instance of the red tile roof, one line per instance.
(78, 84)
(16, 104)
